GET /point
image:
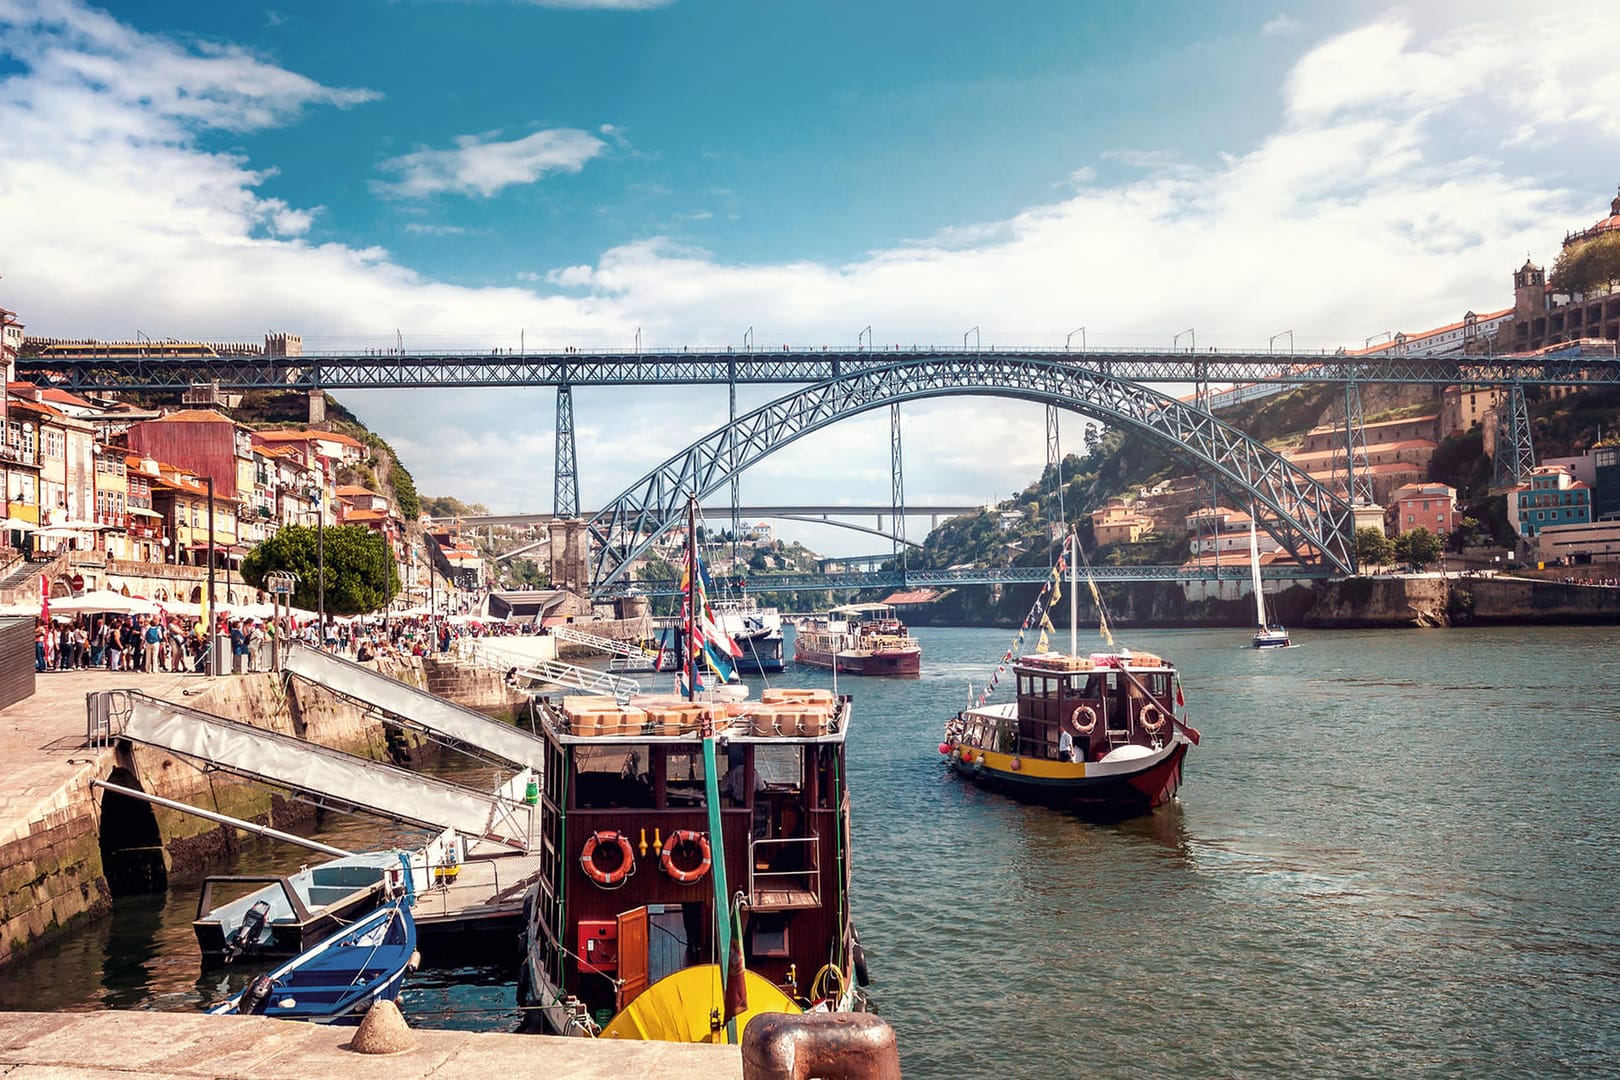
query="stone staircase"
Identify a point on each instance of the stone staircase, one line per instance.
(19, 582)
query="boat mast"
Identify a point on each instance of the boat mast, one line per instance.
(1074, 595)
(1254, 566)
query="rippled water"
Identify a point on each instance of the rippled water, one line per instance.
(1394, 854)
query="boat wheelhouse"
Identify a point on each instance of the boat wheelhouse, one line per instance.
(757, 632)
(858, 639)
(1095, 733)
(625, 905)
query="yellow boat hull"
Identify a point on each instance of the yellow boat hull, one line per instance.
(683, 1007)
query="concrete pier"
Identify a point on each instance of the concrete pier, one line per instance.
(135, 1045)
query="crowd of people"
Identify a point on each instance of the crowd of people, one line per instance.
(174, 643)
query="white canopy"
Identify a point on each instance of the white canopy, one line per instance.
(105, 600)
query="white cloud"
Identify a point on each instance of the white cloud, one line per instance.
(418, 228)
(1280, 26)
(481, 165)
(1398, 193)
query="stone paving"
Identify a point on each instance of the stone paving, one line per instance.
(140, 1045)
(42, 737)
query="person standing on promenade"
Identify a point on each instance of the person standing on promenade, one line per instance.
(238, 648)
(154, 646)
(115, 645)
(39, 645)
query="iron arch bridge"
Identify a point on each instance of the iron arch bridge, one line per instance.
(1308, 520)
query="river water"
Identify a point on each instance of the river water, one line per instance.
(1394, 854)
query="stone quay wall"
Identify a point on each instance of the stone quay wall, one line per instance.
(52, 872)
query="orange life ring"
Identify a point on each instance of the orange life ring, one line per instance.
(616, 876)
(1090, 725)
(1152, 719)
(677, 839)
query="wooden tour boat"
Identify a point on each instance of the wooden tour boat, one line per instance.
(1099, 734)
(858, 639)
(697, 863)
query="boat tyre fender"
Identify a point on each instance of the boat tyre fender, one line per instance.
(681, 838)
(608, 879)
(1083, 721)
(1152, 719)
(523, 984)
(862, 978)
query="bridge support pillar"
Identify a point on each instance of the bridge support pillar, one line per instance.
(1054, 462)
(565, 486)
(317, 406)
(569, 563)
(1515, 449)
(899, 488)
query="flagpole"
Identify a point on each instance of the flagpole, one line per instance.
(691, 597)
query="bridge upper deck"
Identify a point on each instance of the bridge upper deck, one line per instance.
(792, 365)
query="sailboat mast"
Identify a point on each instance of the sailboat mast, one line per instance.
(1254, 566)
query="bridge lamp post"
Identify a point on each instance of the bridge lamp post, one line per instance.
(1390, 334)
(1175, 342)
(974, 331)
(748, 340)
(1286, 333)
(1079, 330)
(867, 334)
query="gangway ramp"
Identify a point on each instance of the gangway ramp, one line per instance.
(611, 646)
(325, 776)
(416, 707)
(553, 673)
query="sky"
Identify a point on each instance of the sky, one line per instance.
(546, 173)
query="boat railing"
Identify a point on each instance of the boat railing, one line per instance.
(784, 873)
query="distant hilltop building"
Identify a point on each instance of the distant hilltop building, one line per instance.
(1543, 316)
(275, 344)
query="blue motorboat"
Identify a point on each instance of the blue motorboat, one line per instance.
(338, 979)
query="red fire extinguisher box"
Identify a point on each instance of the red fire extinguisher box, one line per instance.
(598, 945)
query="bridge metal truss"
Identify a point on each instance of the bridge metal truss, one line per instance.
(351, 372)
(1306, 518)
(1004, 575)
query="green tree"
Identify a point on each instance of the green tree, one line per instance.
(1588, 267)
(360, 574)
(1373, 548)
(1418, 547)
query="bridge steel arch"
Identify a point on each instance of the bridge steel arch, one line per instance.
(1309, 520)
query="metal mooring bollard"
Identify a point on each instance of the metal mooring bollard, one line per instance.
(827, 1046)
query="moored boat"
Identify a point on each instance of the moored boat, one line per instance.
(1099, 734)
(1266, 636)
(858, 639)
(337, 979)
(289, 913)
(701, 864)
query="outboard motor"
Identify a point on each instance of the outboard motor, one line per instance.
(246, 938)
(256, 996)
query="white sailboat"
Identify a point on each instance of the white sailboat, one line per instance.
(1266, 636)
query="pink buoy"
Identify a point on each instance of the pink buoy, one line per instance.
(944, 747)
(1017, 763)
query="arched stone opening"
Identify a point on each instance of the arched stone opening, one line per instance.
(132, 855)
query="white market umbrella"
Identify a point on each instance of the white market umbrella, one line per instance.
(9, 524)
(105, 600)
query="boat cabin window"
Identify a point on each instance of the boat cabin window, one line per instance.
(1038, 686)
(612, 776)
(779, 768)
(1157, 682)
(1101, 684)
(683, 777)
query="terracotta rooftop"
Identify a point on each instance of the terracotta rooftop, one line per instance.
(196, 416)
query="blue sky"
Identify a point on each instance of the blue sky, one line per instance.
(469, 172)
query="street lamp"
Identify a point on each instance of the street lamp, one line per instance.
(1274, 337)
(1175, 342)
(213, 612)
(977, 345)
(320, 564)
(1082, 332)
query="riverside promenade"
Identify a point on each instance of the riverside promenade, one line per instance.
(47, 819)
(139, 1045)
